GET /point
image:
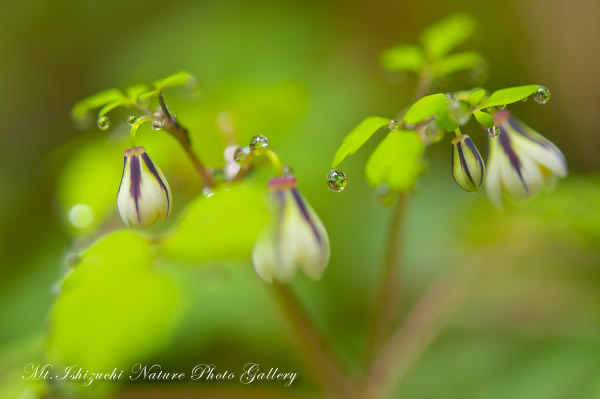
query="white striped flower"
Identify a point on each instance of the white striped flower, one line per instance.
(468, 168)
(144, 194)
(296, 238)
(521, 161)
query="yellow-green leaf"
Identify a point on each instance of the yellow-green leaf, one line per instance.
(439, 39)
(426, 107)
(457, 62)
(484, 118)
(403, 58)
(509, 95)
(83, 107)
(397, 161)
(476, 96)
(358, 137)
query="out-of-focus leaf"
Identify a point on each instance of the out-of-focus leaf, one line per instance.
(133, 92)
(457, 62)
(425, 107)
(223, 226)
(182, 78)
(115, 308)
(87, 188)
(110, 106)
(402, 58)
(476, 96)
(358, 137)
(509, 95)
(484, 118)
(83, 107)
(397, 161)
(442, 37)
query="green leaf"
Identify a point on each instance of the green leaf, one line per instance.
(182, 78)
(476, 96)
(83, 107)
(509, 95)
(484, 118)
(426, 107)
(439, 39)
(358, 137)
(110, 106)
(224, 226)
(457, 62)
(403, 58)
(134, 92)
(115, 308)
(397, 161)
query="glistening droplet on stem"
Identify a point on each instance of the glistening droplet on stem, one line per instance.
(336, 180)
(394, 125)
(258, 142)
(494, 131)
(131, 120)
(240, 153)
(156, 124)
(103, 123)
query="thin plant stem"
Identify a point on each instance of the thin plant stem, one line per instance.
(388, 294)
(311, 346)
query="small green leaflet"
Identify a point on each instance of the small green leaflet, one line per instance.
(83, 107)
(457, 62)
(403, 58)
(397, 161)
(508, 96)
(439, 39)
(358, 137)
(484, 118)
(426, 107)
(476, 96)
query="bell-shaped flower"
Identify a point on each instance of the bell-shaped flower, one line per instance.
(521, 161)
(144, 194)
(468, 168)
(295, 239)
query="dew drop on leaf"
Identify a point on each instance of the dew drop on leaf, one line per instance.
(394, 125)
(542, 95)
(240, 153)
(258, 142)
(156, 124)
(131, 120)
(103, 123)
(494, 131)
(501, 107)
(337, 180)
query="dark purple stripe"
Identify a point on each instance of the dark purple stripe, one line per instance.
(477, 156)
(522, 130)
(463, 163)
(136, 182)
(153, 170)
(515, 162)
(305, 214)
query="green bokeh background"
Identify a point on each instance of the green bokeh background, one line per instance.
(304, 74)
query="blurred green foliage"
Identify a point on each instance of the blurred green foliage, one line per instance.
(303, 75)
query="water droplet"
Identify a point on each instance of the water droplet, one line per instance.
(432, 132)
(460, 112)
(72, 259)
(240, 153)
(501, 107)
(258, 142)
(394, 125)
(103, 123)
(156, 124)
(207, 192)
(450, 96)
(525, 99)
(81, 216)
(337, 180)
(287, 171)
(494, 131)
(384, 195)
(542, 95)
(131, 120)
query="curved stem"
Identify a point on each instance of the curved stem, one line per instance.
(249, 160)
(141, 120)
(311, 346)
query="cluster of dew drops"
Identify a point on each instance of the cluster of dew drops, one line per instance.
(337, 180)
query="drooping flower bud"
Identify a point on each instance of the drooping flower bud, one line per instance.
(144, 194)
(296, 238)
(468, 168)
(521, 161)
